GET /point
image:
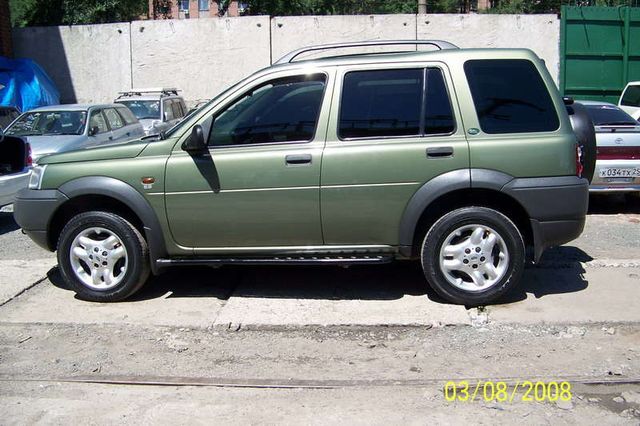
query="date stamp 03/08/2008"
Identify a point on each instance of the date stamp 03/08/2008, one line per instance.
(521, 391)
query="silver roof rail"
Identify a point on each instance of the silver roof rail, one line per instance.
(440, 44)
(163, 91)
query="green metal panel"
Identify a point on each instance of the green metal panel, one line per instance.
(600, 51)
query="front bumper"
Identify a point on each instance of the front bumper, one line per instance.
(557, 208)
(33, 211)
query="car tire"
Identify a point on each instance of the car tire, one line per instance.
(103, 257)
(473, 255)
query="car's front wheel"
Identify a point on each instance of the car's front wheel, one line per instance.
(473, 255)
(102, 256)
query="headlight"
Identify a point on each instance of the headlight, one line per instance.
(35, 180)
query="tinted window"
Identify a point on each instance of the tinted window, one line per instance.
(97, 120)
(510, 96)
(631, 96)
(283, 110)
(609, 115)
(115, 121)
(438, 113)
(381, 103)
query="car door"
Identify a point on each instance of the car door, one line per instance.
(392, 129)
(257, 186)
(99, 131)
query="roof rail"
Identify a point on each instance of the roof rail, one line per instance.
(440, 44)
(166, 91)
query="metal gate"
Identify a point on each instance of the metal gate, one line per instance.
(599, 51)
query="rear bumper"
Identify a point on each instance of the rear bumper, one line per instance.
(557, 208)
(33, 210)
(11, 184)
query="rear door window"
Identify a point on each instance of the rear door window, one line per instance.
(115, 121)
(438, 113)
(510, 96)
(381, 103)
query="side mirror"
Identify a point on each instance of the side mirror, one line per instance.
(94, 131)
(166, 116)
(195, 143)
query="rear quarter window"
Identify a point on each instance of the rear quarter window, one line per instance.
(510, 96)
(631, 96)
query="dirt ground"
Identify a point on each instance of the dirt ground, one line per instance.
(366, 345)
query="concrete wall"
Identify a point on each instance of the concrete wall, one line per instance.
(202, 56)
(540, 33)
(292, 32)
(88, 63)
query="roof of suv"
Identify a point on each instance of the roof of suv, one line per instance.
(411, 56)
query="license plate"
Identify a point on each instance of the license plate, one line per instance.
(620, 172)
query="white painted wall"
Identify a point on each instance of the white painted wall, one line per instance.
(88, 63)
(292, 32)
(203, 56)
(540, 33)
(199, 56)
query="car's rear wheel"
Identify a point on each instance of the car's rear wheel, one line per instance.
(473, 255)
(103, 257)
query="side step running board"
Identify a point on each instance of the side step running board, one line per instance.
(280, 260)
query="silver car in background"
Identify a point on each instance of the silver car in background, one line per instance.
(618, 148)
(158, 109)
(60, 128)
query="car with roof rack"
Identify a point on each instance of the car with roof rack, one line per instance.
(158, 109)
(466, 160)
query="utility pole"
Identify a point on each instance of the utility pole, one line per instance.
(422, 6)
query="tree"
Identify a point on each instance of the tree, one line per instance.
(70, 12)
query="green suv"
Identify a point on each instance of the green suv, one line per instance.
(461, 158)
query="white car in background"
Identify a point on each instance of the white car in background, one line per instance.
(618, 148)
(629, 101)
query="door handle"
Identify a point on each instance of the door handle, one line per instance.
(297, 159)
(441, 152)
(110, 138)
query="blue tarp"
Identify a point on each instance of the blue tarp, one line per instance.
(26, 85)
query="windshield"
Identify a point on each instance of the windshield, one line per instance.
(143, 109)
(609, 115)
(49, 123)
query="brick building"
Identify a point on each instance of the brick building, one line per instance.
(190, 9)
(5, 29)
